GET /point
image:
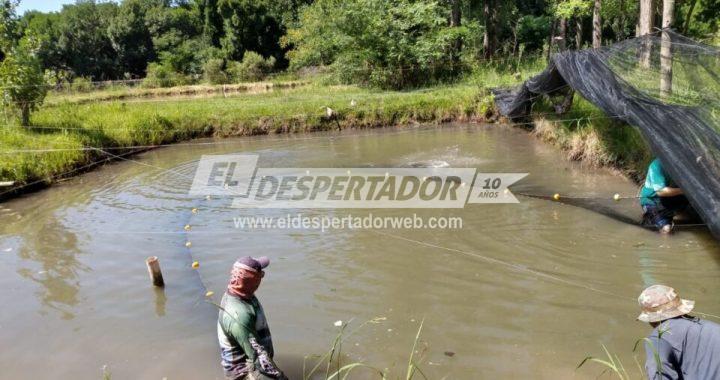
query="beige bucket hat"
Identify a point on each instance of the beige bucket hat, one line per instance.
(660, 302)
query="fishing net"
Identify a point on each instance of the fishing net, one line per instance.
(666, 85)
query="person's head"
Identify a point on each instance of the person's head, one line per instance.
(246, 274)
(659, 303)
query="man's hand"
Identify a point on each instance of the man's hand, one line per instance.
(669, 192)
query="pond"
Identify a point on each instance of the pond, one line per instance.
(521, 290)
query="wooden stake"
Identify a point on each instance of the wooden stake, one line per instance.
(153, 265)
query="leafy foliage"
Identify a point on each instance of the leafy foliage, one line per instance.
(252, 68)
(384, 43)
(163, 75)
(22, 80)
(214, 71)
(389, 44)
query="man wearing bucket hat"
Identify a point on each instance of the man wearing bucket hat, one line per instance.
(245, 342)
(680, 346)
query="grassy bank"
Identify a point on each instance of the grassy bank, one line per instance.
(124, 92)
(66, 130)
(586, 134)
(70, 127)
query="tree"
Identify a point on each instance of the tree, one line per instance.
(455, 22)
(666, 59)
(647, 17)
(646, 23)
(84, 41)
(8, 25)
(489, 36)
(686, 24)
(44, 27)
(177, 38)
(569, 9)
(21, 75)
(597, 25)
(22, 80)
(212, 22)
(130, 37)
(249, 25)
(388, 44)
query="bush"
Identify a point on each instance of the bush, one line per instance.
(23, 82)
(252, 68)
(81, 84)
(214, 71)
(159, 75)
(57, 79)
(360, 39)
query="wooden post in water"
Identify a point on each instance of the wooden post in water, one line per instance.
(153, 265)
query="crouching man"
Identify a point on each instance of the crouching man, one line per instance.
(661, 199)
(680, 346)
(245, 342)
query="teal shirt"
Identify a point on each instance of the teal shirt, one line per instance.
(655, 180)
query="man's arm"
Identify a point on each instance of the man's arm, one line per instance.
(242, 329)
(669, 192)
(660, 363)
(656, 176)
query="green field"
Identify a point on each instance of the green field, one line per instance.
(68, 128)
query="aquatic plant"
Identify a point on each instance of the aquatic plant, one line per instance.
(613, 364)
(333, 357)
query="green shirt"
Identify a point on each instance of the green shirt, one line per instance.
(655, 180)
(238, 321)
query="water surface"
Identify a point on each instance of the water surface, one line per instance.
(523, 290)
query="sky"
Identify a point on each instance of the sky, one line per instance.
(42, 5)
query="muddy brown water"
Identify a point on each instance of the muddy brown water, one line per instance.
(522, 291)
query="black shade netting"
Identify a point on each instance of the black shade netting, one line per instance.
(666, 85)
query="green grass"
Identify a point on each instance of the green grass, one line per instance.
(588, 134)
(72, 125)
(125, 117)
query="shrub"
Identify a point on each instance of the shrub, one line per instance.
(360, 38)
(214, 71)
(159, 75)
(57, 79)
(252, 68)
(81, 84)
(23, 82)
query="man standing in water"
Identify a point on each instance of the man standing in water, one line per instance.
(680, 346)
(245, 342)
(660, 199)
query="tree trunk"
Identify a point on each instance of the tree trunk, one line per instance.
(647, 18)
(551, 39)
(597, 25)
(25, 115)
(645, 27)
(488, 37)
(621, 21)
(455, 20)
(686, 26)
(562, 37)
(578, 32)
(494, 17)
(666, 59)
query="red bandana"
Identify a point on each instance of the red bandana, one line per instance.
(244, 282)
